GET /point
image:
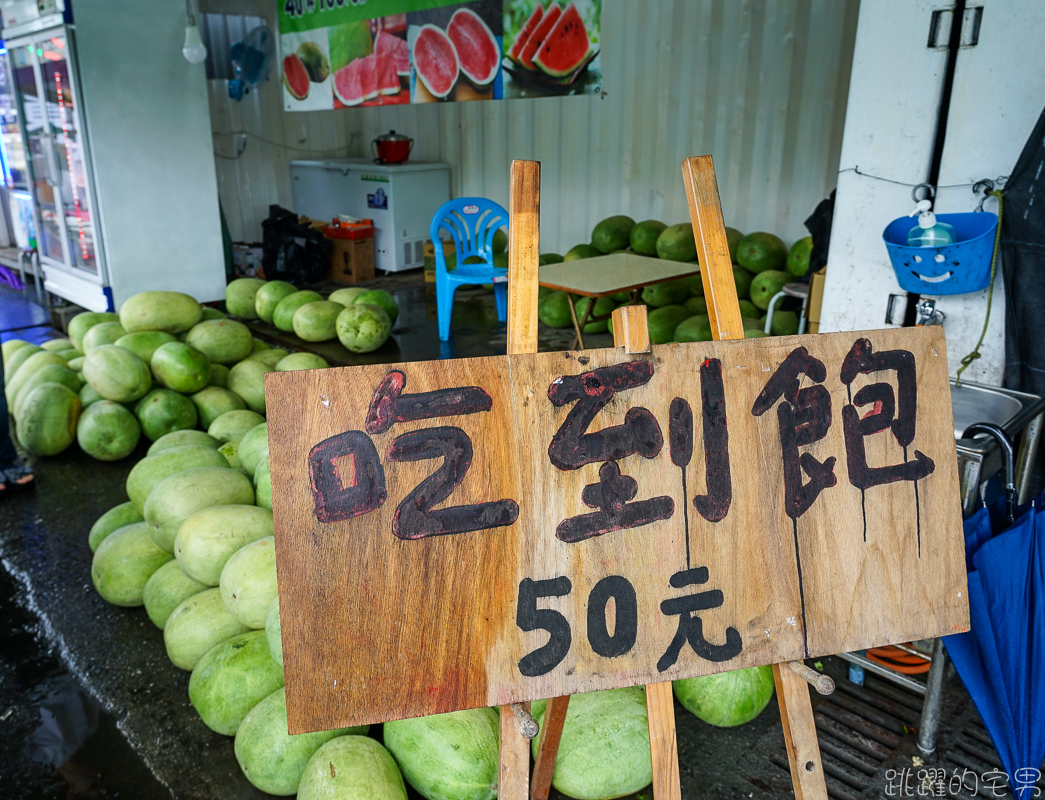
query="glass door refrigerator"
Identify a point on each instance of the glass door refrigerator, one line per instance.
(56, 171)
(16, 196)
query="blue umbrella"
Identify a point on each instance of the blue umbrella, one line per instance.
(1001, 658)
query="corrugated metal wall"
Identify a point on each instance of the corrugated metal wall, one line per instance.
(759, 84)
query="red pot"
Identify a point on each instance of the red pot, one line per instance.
(392, 148)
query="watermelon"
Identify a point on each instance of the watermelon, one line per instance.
(351, 768)
(102, 333)
(272, 759)
(148, 473)
(554, 310)
(162, 411)
(549, 258)
(124, 562)
(180, 367)
(283, 315)
(766, 285)
(315, 321)
(296, 361)
(223, 341)
(57, 345)
(247, 379)
(524, 33)
(477, 50)
(167, 589)
(295, 77)
(668, 293)
(742, 278)
(381, 298)
(694, 329)
(760, 251)
(144, 343)
(274, 631)
(676, 243)
(579, 251)
(346, 296)
(436, 61)
(182, 439)
(172, 312)
(181, 495)
(604, 750)
(233, 425)
(213, 401)
(785, 323)
(248, 582)
(88, 395)
(268, 297)
(13, 362)
(663, 321)
(798, 256)
(547, 22)
(78, 327)
(316, 63)
(348, 42)
(112, 520)
(49, 416)
(231, 679)
(643, 237)
(253, 447)
(612, 233)
(34, 363)
(733, 237)
(565, 47)
(107, 431)
(208, 539)
(263, 485)
(269, 357)
(603, 306)
(348, 84)
(50, 373)
(219, 375)
(387, 54)
(727, 699)
(362, 327)
(448, 756)
(211, 313)
(198, 624)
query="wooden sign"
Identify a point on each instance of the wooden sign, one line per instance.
(468, 533)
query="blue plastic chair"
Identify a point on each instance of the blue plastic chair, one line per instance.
(471, 223)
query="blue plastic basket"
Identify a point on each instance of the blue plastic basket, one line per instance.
(958, 268)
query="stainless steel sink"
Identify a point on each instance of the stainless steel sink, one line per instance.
(1019, 415)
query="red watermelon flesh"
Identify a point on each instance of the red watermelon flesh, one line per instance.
(524, 34)
(402, 57)
(387, 77)
(551, 16)
(368, 76)
(477, 49)
(295, 77)
(435, 60)
(388, 46)
(347, 84)
(566, 46)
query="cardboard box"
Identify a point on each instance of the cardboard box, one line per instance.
(351, 257)
(816, 299)
(429, 250)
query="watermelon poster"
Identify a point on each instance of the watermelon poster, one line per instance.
(352, 53)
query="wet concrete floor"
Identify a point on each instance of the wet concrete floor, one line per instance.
(90, 707)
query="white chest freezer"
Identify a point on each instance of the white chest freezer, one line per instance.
(401, 199)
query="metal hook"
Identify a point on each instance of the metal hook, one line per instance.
(930, 192)
(1008, 461)
(986, 186)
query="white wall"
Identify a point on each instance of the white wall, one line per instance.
(999, 91)
(149, 125)
(759, 84)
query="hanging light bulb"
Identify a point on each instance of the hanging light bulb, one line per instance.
(194, 50)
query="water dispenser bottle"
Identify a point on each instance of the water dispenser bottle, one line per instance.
(928, 232)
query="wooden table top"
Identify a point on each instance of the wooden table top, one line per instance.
(618, 272)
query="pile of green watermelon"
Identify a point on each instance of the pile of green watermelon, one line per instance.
(165, 363)
(678, 311)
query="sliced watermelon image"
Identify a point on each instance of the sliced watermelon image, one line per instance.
(524, 34)
(566, 46)
(295, 77)
(348, 86)
(551, 16)
(385, 52)
(435, 61)
(394, 49)
(478, 53)
(368, 76)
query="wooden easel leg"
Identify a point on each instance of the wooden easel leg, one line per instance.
(803, 749)
(548, 747)
(664, 752)
(514, 781)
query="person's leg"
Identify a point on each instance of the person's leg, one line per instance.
(13, 471)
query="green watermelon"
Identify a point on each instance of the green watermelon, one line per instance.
(604, 750)
(240, 295)
(197, 625)
(669, 293)
(351, 768)
(697, 305)
(263, 485)
(316, 321)
(785, 323)
(363, 327)
(144, 343)
(148, 473)
(8, 348)
(554, 310)
(612, 233)
(733, 237)
(448, 756)
(248, 582)
(268, 297)
(663, 322)
(283, 315)
(80, 324)
(766, 285)
(49, 416)
(754, 333)
(57, 345)
(749, 309)
(29, 368)
(253, 447)
(643, 237)
(382, 299)
(51, 373)
(549, 258)
(182, 439)
(75, 362)
(180, 367)
(167, 589)
(178, 497)
(727, 699)
(219, 375)
(694, 329)
(233, 425)
(580, 251)
(172, 312)
(296, 361)
(124, 562)
(274, 631)
(222, 341)
(676, 243)
(603, 305)
(115, 518)
(213, 401)
(107, 431)
(211, 313)
(271, 759)
(271, 356)
(348, 42)
(742, 278)
(208, 539)
(798, 257)
(231, 679)
(247, 379)
(347, 295)
(102, 333)
(18, 357)
(162, 411)
(760, 251)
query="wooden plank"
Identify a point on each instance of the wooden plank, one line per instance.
(523, 254)
(716, 268)
(631, 332)
(617, 272)
(803, 749)
(548, 747)
(705, 210)
(524, 248)
(367, 606)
